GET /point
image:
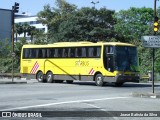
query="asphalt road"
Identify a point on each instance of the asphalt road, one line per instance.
(79, 97)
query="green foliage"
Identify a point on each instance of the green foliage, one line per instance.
(134, 23)
(5, 53)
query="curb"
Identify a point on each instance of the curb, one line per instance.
(13, 82)
(146, 95)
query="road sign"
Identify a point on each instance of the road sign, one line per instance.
(151, 41)
(13, 54)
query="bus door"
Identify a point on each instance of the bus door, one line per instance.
(109, 58)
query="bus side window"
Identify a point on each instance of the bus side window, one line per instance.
(95, 52)
(32, 53)
(60, 51)
(109, 49)
(98, 52)
(90, 52)
(56, 53)
(37, 50)
(26, 53)
(40, 53)
(78, 52)
(52, 52)
(49, 53)
(65, 52)
(71, 52)
(84, 54)
(44, 53)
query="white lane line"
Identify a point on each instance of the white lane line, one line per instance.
(94, 106)
(60, 103)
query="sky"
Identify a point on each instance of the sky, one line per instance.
(34, 6)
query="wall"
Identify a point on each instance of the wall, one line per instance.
(5, 24)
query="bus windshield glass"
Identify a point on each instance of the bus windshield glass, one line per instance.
(126, 58)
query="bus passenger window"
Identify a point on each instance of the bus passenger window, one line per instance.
(65, 53)
(98, 52)
(84, 54)
(40, 53)
(60, 51)
(32, 53)
(44, 53)
(90, 52)
(49, 53)
(109, 49)
(26, 53)
(52, 52)
(78, 52)
(71, 53)
(56, 53)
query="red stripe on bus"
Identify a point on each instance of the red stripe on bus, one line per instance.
(35, 68)
(90, 71)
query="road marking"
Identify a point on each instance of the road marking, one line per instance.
(94, 106)
(60, 103)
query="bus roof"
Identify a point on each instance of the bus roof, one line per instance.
(73, 44)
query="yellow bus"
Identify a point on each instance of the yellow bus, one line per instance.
(102, 62)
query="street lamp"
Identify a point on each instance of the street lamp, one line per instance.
(94, 3)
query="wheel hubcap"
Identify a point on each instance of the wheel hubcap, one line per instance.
(99, 80)
(49, 77)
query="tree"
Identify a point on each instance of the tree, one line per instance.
(67, 23)
(5, 56)
(53, 17)
(18, 30)
(32, 31)
(25, 28)
(134, 23)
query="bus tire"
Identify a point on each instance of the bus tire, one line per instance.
(99, 80)
(49, 77)
(40, 77)
(69, 81)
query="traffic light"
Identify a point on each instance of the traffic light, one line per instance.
(156, 26)
(16, 7)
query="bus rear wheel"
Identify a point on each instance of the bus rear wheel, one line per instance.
(40, 77)
(99, 80)
(49, 77)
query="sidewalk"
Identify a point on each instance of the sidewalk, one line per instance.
(14, 81)
(146, 94)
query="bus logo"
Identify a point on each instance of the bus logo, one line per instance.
(35, 68)
(91, 72)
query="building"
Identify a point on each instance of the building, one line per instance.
(32, 21)
(5, 24)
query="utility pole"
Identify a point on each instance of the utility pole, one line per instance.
(156, 26)
(15, 9)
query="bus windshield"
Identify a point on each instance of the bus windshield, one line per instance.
(126, 58)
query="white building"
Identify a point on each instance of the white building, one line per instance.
(32, 21)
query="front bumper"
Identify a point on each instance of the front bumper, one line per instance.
(126, 78)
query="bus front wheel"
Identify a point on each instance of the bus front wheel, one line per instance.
(49, 77)
(99, 80)
(40, 77)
